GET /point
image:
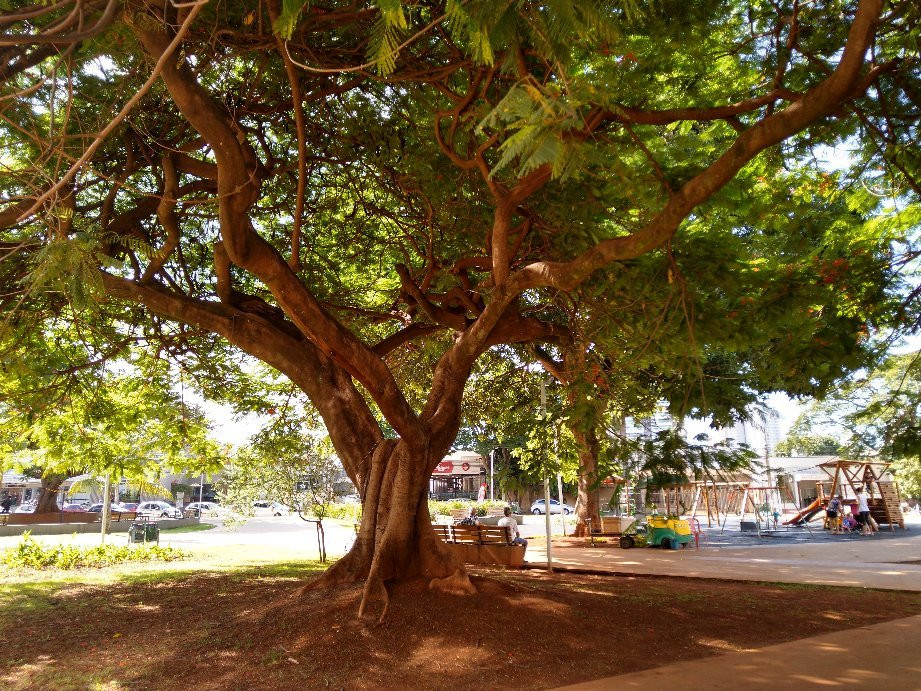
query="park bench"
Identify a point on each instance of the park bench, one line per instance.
(51, 517)
(610, 526)
(63, 517)
(480, 544)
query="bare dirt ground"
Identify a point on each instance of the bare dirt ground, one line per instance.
(524, 630)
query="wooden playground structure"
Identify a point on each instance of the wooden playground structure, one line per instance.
(718, 498)
(769, 504)
(884, 499)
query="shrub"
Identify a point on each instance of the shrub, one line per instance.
(346, 512)
(444, 508)
(31, 554)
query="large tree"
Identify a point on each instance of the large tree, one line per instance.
(333, 189)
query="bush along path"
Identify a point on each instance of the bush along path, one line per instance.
(32, 554)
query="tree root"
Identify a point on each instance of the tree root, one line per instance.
(372, 584)
(458, 583)
(350, 569)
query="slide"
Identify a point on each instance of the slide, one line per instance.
(806, 513)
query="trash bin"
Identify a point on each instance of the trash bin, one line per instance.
(144, 531)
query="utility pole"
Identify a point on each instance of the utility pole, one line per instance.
(105, 506)
(543, 415)
(559, 477)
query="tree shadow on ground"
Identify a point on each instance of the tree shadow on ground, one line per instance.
(257, 628)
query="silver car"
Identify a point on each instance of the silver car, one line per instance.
(203, 508)
(158, 509)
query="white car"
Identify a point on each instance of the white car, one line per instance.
(203, 508)
(277, 509)
(537, 508)
(158, 509)
(274, 508)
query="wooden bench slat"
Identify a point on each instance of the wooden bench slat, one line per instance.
(474, 544)
(465, 534)
(493, 535)
(472, 534)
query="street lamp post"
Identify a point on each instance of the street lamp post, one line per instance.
(106, 506)
(543, 413)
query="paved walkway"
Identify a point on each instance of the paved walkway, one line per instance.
(889, 561)
(881, 656)
(885, 656)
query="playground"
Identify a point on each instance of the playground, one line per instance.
(733, 510)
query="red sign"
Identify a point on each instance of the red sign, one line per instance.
(444, 468)
(465, 465)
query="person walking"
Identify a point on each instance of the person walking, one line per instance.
(863, 511)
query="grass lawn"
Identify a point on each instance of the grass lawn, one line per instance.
(240, 618)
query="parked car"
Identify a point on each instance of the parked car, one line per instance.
(538, 507)
(25, 507)
(129, 506)
(73, 507)
(277, 509)
(203, 508)
(274, 508)
(158, 509)
(114, 507)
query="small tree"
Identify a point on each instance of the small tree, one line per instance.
(288, 463)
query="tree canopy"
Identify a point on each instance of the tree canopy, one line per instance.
(369, 198)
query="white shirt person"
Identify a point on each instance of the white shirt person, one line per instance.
(511, 527)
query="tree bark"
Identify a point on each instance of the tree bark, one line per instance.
(587, 504)
(396, 540)
(48, 499)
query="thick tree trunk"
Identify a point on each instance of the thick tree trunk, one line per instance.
(396, 540)
(587, 505)
(48, 499)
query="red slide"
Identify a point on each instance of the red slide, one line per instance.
(806, 513)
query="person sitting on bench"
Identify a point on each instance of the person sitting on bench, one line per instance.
(511, 527)
(470, 518)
